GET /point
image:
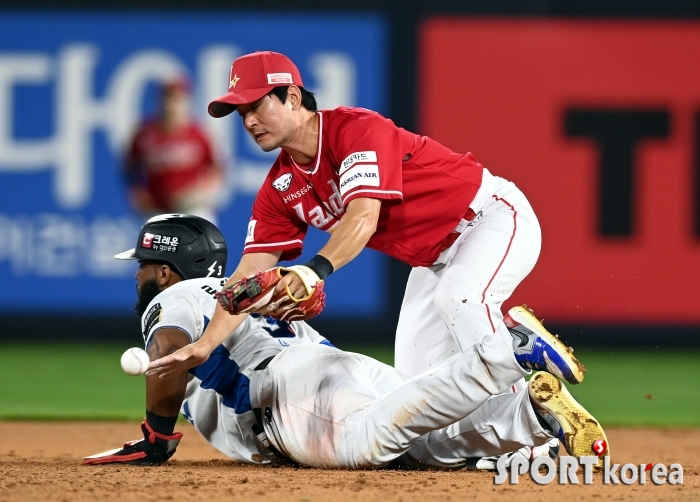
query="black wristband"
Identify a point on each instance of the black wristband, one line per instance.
(321, 266)
(161, 425)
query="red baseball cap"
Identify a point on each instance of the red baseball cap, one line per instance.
(252, 77)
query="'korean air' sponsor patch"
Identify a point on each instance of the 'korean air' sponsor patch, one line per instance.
(362, 175)
(282, 183)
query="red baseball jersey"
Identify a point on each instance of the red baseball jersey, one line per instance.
(425, 188)
(168, 162)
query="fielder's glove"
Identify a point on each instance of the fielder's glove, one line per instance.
(153, 449)
(256, 294)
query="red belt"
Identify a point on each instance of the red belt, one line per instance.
(452, 237)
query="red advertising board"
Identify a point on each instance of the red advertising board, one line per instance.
(597, 122)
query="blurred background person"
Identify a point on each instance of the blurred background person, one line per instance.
(170, 165)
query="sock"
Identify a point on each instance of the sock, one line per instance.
(161, 425)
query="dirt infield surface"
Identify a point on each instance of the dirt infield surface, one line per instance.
(41, 461)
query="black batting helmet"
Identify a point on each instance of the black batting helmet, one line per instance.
(193, 246)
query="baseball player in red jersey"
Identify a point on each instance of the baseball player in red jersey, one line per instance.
(170, 165)
(470, 236)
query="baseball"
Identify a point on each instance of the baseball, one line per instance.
(135, 361)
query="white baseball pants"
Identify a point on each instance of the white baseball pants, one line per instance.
(503, 424)
(334, 409)
(456, 303)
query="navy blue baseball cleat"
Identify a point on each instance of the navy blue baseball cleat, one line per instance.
(535, 348)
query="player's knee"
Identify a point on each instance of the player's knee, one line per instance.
(384, 444)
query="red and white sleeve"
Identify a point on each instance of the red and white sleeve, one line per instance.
(369, 150)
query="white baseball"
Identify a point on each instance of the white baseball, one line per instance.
(135, 361)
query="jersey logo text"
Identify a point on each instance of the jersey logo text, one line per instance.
(209, 290)
(320, 218)
(295, 195)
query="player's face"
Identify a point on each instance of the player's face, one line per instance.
(145, 273)
(268, 121)
(146, 286)
(175, 106)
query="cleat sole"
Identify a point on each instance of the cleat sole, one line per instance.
(580, 430)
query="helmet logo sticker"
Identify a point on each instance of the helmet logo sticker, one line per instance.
(282, 183)
(213, 269)
(147, 241)
(158, 242)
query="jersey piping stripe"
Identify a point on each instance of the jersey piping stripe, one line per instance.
(318, 151)
(510, 242)
(393, 192)
(488, 314)
(273, 244)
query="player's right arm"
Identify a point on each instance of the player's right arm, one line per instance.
(220, 327)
